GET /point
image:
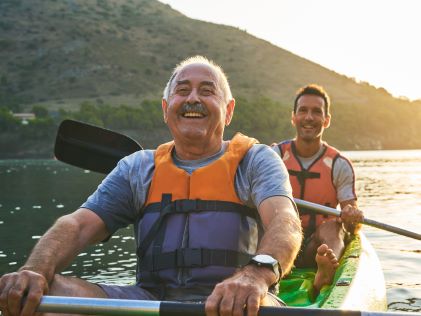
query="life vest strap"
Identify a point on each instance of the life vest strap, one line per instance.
(195, 206)
(303, 175)
(194, 258)
(188, 206)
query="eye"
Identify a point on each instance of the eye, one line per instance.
(182, 90)
(207, 92)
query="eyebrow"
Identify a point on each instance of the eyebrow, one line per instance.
(203, 83)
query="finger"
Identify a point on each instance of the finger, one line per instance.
(226, 306)
(3, 300)
(212, 303)
(32, 301)
(36, 289)
(253, 305)
(239, 305)
(15, 296)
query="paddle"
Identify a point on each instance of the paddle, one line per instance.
(333, 211)
(84, 146)
(91, 147)
(115, 307)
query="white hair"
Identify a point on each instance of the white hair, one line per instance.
(221, 76)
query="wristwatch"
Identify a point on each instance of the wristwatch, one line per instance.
(263, 260)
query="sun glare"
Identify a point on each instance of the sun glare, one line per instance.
(374, 41)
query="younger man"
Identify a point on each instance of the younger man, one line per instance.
(319, 174)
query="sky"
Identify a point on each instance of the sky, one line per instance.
(376, 41)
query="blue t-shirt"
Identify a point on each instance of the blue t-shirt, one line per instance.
(121, 195)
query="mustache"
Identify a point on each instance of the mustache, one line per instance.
(194, 107)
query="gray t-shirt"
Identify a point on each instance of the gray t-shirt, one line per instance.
(343, 174)
(121, 195)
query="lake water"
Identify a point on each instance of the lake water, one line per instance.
(34, 193)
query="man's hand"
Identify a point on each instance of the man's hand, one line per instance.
(351, 217)
(16, 286)
(245, 289)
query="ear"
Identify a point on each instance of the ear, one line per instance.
(326, 123)
(164, 106)
(293, 119)
(230, 112)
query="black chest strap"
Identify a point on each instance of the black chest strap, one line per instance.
(303, 175)
(194, 258)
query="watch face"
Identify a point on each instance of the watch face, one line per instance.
(265, 259)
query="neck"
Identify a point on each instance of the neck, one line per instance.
(307, 148)
(193, 151)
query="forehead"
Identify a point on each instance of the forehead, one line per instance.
(197, 73)
(311, 100)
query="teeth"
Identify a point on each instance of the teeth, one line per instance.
(193, 114)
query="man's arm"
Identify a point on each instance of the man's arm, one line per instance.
(344, 181)
(283, 235)
(53, 253)
(249, 286)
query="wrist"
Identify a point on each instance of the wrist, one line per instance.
(46, 274)
(266, 263)
(261, 275)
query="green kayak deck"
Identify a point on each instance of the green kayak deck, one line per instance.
(358, 283)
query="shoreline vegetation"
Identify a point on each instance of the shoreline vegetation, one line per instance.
(34, 137)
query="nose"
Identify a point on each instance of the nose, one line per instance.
(309, 115)
(193, 97)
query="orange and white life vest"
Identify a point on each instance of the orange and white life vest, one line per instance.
(313, 184)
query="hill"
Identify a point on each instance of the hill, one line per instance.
(59, 54)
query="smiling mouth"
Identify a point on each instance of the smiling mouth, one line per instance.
(194, 111)
(193, 115)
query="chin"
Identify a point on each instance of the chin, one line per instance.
(308, 138)
(194, 136)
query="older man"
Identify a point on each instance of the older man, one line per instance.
(214, 220)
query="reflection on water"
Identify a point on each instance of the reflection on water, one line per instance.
(389, 191)
(34, 193)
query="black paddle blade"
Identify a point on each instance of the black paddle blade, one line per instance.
(91, 147)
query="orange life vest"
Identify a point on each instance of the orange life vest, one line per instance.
(195, 224)
(212, 182)
(314, 184)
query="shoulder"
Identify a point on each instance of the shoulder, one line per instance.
(140, 160)
(343, 165)
(340, 159)
(261, 151)
(331, 151)
(282, 143)
(262, 158)
(280, 147)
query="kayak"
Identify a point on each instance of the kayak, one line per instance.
(358, 289)
(358, 282)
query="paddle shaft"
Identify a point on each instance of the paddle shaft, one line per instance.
(115, 307)
(333, 211)
(97, 149)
